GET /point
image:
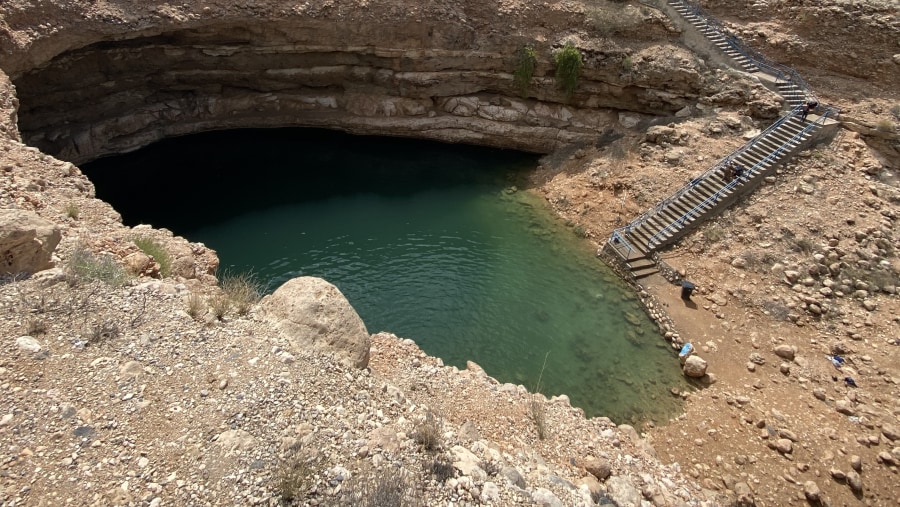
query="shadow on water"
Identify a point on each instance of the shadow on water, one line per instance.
(427, 240)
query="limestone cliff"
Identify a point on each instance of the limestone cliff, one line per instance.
(91, 85)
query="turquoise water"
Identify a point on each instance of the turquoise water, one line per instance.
(428, 241)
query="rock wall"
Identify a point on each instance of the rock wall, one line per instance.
(856, 39)
(9, 108)
(91, 86)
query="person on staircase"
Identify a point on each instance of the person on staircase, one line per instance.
(728, 172)
(738, 171)
(809, 107)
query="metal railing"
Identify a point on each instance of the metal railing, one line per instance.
(646, 215)
(618, 241)
(754, 171)
(782, 74)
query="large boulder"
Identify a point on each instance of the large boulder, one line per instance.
(27, 242)
(598, 467)
(695, 367)
(311, 312)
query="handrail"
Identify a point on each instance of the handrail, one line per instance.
(747, 176)
(782, 74)
(619, 239)
(646, 215)
(778, 70)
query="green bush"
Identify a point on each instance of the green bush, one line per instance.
(525, 65)
(158, 252)
(568, 68)
(85, 265)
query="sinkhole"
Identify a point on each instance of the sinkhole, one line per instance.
(440, 243)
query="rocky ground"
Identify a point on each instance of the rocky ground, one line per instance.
(140, 395)
(144, 393)
(804, 269)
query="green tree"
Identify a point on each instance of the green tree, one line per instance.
(568, 68)
(525, 64)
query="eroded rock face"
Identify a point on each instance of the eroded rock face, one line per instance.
(27, 242)
(311, 312)
(98, 85)
(9, 108)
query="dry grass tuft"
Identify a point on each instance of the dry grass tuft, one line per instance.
(195, 306)
(428, 432)
(242, 290)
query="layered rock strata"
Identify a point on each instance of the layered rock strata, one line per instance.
(91, 86)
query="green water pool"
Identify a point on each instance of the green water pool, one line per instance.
(429, 241)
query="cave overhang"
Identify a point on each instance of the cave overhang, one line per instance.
(110, 89)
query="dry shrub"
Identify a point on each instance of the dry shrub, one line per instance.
(538, 410)
(441, 468)
(242, 290)
(802, 244)
(294, 478)
(387, 487)
(35, 327)
(195, 306)
(428, 432)
(537, 405)
(714, 233)
(72, 211)
(101, 331)
(611, 19)
(884, 125)
(219, 305)
(85, 265)
(776, 310)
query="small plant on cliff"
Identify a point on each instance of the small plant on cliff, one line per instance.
(219, 305)
(538, 407)
(568, 68)
(525, 64)
(295, 478)
(195, 306)
(72, 211)
(428, 432)
(242, 290)
(85, 265)
(884, 125)
(389, 486)
(157, 252)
